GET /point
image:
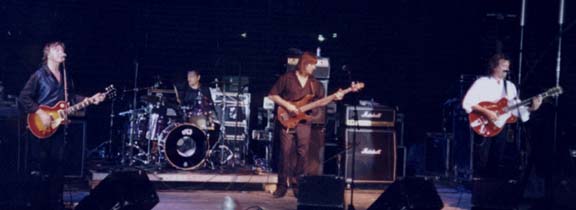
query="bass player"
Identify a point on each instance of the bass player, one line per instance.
(294, 142)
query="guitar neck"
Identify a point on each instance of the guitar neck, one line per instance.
(515, 106)
(78, 106)
(527, 101)
(322, 101)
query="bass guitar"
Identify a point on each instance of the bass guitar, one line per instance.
(289, 120)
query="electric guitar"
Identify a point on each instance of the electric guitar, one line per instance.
(488, 128)
(289, 120)
(58, 114)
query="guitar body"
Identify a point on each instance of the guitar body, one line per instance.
(35, 124)
(58, 113)
(486, 127)
(291, 121)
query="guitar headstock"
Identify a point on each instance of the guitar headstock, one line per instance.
(110, 92)
(356, 86)
(555, 91)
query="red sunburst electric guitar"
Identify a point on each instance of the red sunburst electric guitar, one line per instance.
(488, 128)
(58, 114)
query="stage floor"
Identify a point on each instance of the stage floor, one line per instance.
(213, 199)
(204, 190)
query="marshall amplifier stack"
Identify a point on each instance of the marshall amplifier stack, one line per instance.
(372, 128)
(371, 117)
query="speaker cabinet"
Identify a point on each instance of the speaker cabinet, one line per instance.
(123, 190)
(495, 194)
(321, 193)
(74, 156)
(11, 156)
(412, 193)
(438, 153)
(375, 155)
(564, 193)
(11, 145)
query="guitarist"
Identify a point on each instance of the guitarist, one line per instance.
(294, 143)
(493, 152)
(46, 87)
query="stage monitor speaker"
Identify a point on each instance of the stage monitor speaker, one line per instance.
(564, 193)
(495, 194)
(74, 156)
(375, 158)
(412, 193)
(321, 193)
(123, 190)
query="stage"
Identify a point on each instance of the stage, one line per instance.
(207, 189)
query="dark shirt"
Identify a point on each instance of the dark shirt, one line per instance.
(288, 87)
(42, 88)
(200, 100)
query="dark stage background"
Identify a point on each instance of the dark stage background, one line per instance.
(410, 53)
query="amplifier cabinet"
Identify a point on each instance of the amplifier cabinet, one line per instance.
(370, 116)
(375, 155)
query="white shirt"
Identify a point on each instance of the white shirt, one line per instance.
(492, 89)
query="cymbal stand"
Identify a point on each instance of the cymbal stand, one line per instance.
(133, 119)
(107, 152)
(220, 144)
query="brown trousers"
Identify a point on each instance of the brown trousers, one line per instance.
(316, 151)
(294, 144)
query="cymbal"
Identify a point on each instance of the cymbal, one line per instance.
(166, 91)
(149, 99)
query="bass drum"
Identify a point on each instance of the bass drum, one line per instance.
(185, 146)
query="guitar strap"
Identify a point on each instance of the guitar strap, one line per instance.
(505, 88)
(65, 86)
(312, 87)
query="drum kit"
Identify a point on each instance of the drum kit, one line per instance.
(161, 131)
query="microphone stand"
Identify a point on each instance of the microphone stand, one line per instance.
(133, 117)
(354, 132)
(555, 166)
(111, 133)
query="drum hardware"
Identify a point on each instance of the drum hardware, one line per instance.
(233, 109)
(184, 137)
(219, 153)
(127, 155)
(164, 91)
(106, 153)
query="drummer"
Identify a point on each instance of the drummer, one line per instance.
(194, 97)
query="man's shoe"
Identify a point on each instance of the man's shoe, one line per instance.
(280, 192)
